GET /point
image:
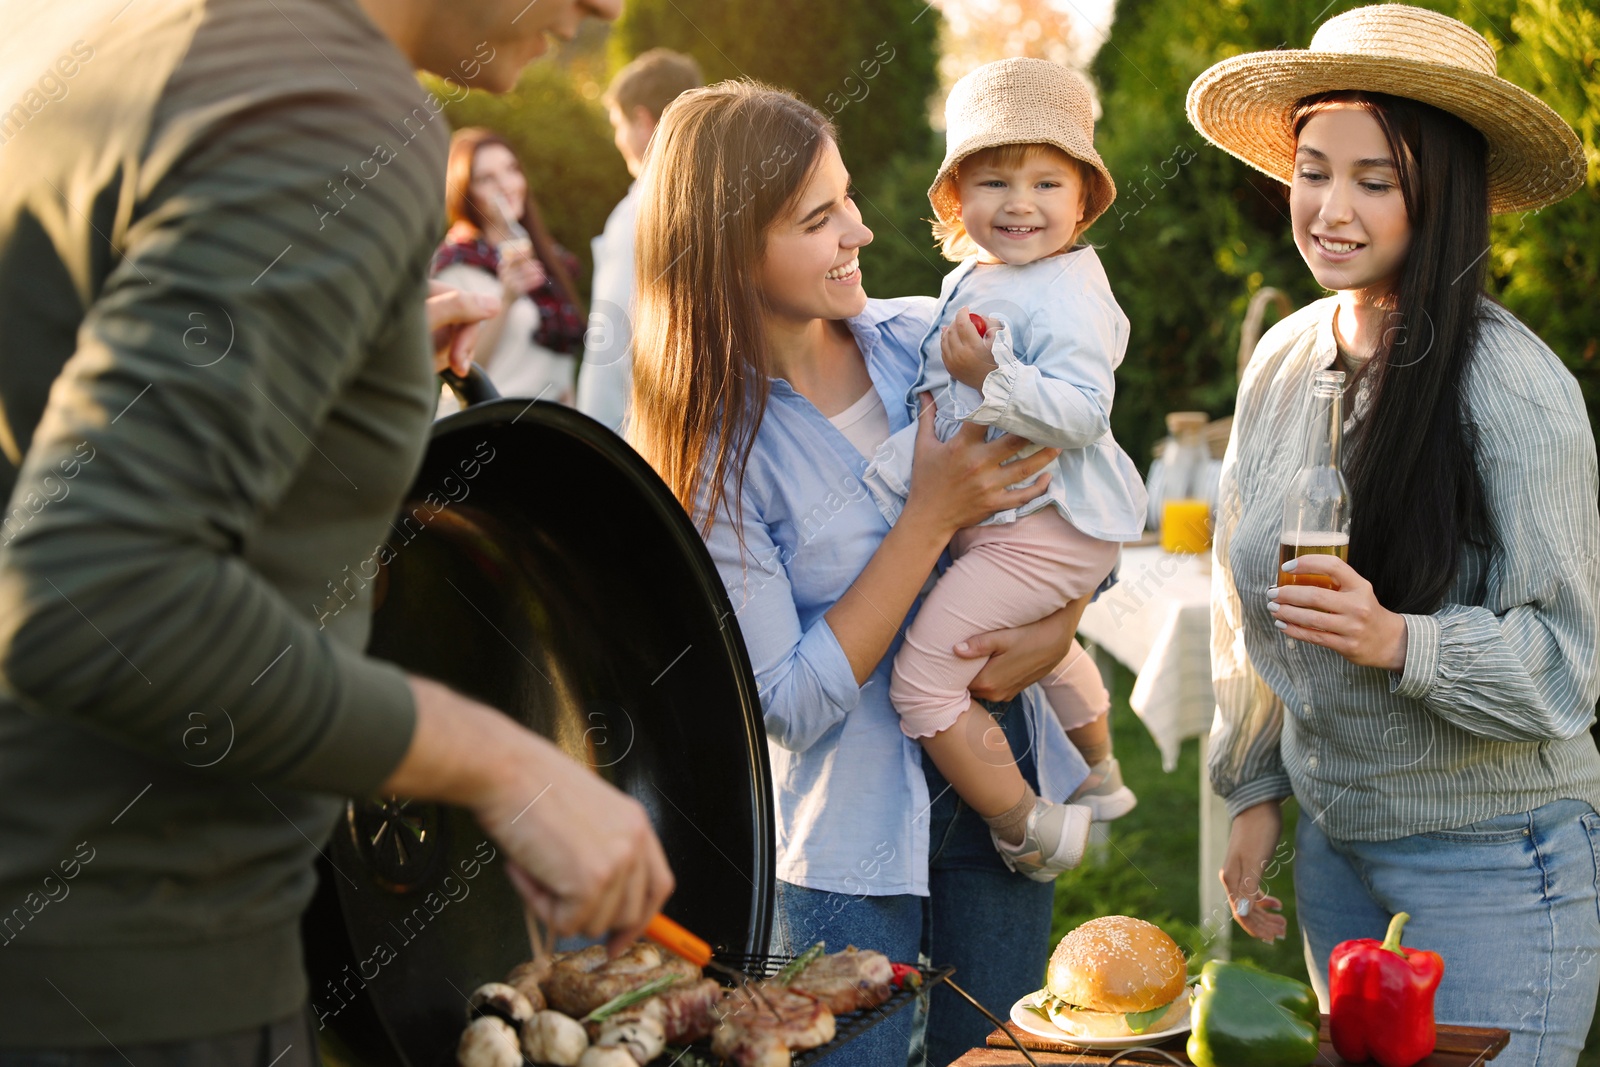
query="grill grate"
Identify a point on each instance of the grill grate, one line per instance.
(849, 1026)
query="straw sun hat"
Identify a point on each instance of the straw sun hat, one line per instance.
(1020, 101)
(1243, 105)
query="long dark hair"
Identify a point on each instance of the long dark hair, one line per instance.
(725, 162)
(1415, 494)
(459, 206)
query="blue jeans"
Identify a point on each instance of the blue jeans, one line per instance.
(991, 925)
(1509, 902)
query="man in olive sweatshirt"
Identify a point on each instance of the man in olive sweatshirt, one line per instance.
(216, 218)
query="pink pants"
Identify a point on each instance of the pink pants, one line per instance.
(1005, 575)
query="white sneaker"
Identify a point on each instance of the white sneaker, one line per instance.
(1103, 792)
(1053, 841)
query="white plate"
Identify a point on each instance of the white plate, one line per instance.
(1023, 1015)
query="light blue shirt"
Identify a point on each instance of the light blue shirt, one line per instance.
(1059, 339)
(852, 803)
(606, 377)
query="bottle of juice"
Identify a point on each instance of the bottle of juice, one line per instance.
(1185, 515)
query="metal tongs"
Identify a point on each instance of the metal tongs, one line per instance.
(680, 942)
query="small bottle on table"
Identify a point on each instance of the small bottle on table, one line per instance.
(1185, 512)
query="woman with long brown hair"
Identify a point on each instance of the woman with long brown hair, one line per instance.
(764, 379)
(498, 245)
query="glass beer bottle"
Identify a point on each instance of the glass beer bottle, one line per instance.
(1316, 510)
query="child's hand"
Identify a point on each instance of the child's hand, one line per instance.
(967, 356)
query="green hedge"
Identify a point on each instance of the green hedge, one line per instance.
(871, 67)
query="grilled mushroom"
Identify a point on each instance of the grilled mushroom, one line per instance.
(642, 1037)
(488, 1042)
(553, 1038)
(501, 1001)
(607, 1056)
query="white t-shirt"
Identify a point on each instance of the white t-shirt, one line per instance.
(606, 378)
(865, 423)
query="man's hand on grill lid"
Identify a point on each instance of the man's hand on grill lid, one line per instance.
(583, 854)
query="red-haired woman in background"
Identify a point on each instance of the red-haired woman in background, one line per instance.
(498, 245)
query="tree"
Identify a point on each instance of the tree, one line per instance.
(872, 68)
(836, 54)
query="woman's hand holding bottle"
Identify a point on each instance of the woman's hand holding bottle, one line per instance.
(1346, 618)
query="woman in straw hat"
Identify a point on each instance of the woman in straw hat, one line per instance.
(1430, 712)
(754, 344)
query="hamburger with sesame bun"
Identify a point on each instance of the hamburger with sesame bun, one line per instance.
(1116, 976)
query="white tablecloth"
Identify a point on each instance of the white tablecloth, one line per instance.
(1157, 620)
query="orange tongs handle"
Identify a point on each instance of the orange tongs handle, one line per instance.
(675, 939)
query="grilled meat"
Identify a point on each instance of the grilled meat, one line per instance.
(847, 981)
(525, 978)
(688, 1011)
(580, 982)
(760, 1031)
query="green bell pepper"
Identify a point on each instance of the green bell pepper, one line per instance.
(1244, 1017)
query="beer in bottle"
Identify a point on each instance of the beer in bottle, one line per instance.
(1316, 511)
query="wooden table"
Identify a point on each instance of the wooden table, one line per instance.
(1458, 1046)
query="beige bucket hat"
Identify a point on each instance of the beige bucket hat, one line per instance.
(1243, 105)
(1020, 101)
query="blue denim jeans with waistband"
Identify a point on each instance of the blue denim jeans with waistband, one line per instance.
(1509, 902)
(991, 925)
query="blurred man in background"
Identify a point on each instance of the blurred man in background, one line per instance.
(635, 100)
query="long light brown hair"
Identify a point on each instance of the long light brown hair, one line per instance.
(461, 208)
(725, 163)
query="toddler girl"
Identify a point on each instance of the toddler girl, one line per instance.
(1020, 183)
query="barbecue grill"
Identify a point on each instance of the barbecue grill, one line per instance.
(539, 565)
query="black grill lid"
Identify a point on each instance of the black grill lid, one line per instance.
(541, 566)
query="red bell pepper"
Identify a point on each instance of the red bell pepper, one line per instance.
(1383, 999)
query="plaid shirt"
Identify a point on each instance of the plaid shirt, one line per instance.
(1491, 713)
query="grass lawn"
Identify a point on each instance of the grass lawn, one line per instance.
(1151, 868)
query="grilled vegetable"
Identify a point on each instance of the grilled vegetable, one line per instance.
(799, 963)
(553, 1038)
(501, 1001)
(488, 1042)
(607, 1056)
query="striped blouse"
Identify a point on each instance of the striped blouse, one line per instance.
(1492, 710)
